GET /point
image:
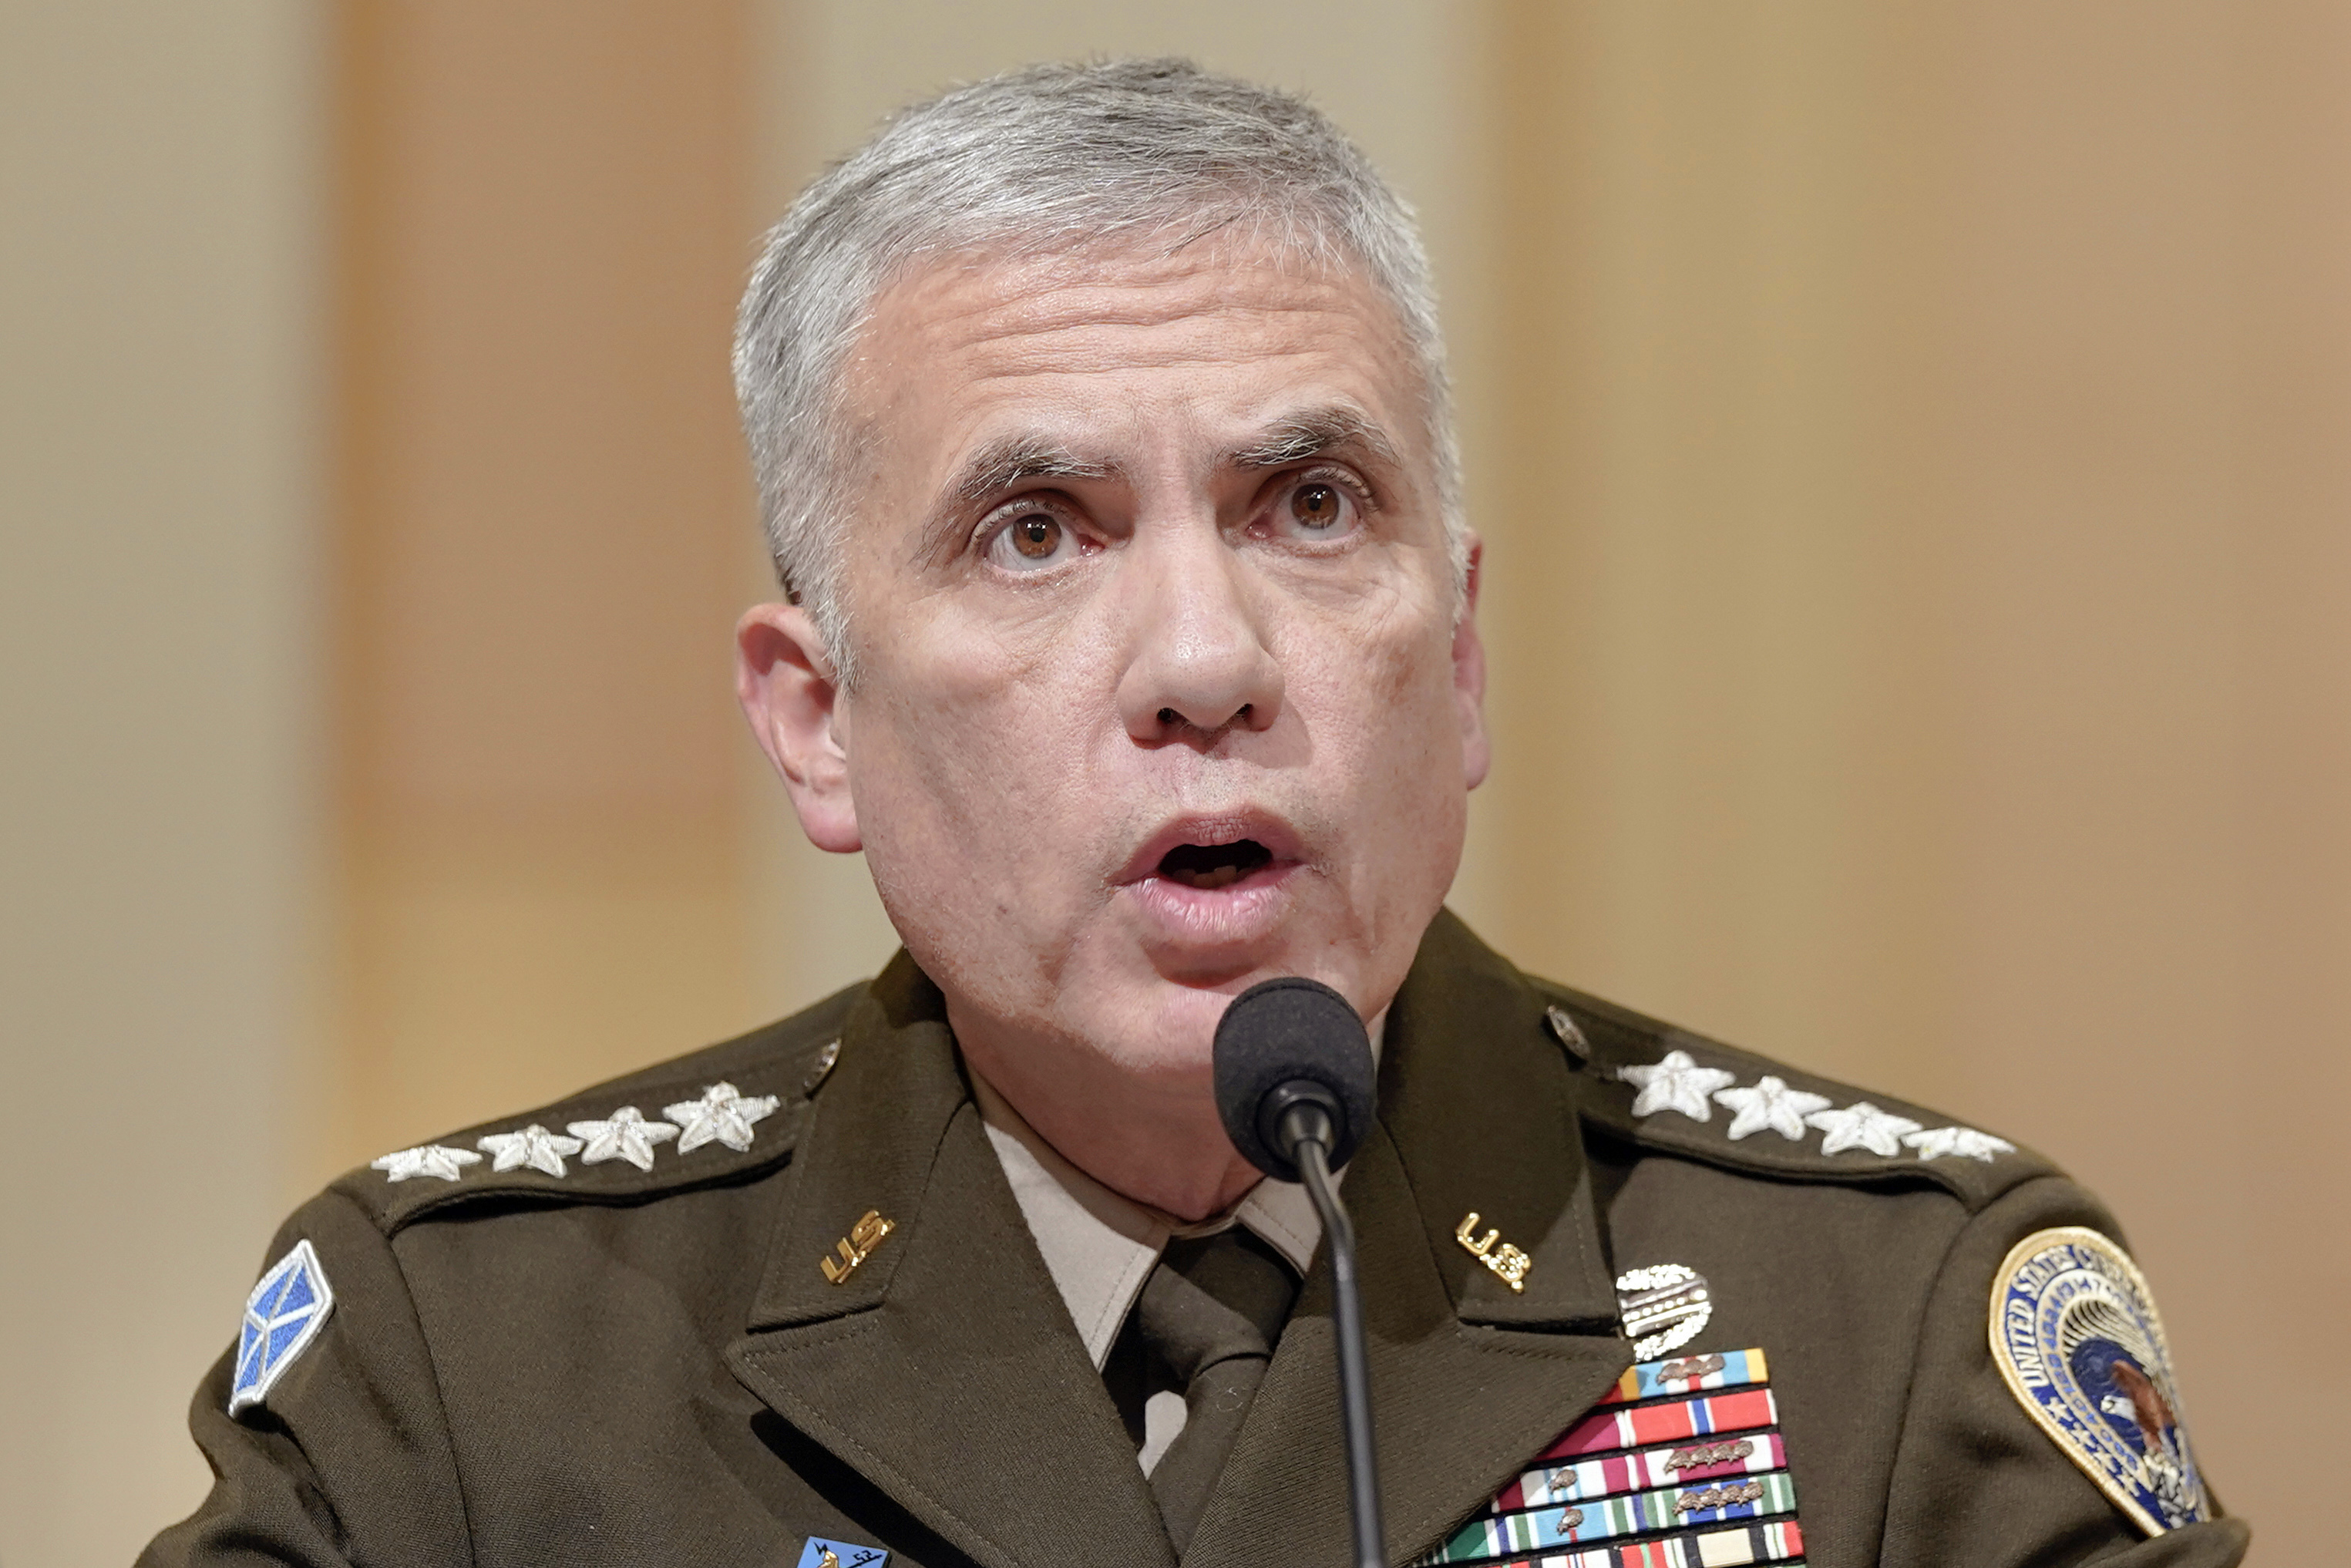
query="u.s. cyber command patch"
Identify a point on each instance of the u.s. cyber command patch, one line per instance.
(2075, 1334)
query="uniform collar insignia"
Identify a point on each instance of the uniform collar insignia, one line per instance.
(1476, 1070)
(1506, 1263)
(870, 1145)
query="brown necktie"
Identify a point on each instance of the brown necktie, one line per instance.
(1204, 1326)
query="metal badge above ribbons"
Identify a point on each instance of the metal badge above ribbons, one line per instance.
(1664, 1307)
(2075, 1334)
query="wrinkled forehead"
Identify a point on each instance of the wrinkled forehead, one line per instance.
(1127, 347)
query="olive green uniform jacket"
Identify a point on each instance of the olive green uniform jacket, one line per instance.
(623, 1366)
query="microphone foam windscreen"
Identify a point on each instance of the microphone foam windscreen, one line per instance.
(1279, 1031)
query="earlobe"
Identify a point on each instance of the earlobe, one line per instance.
(785, 680)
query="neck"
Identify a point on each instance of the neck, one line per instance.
(1152, 1136)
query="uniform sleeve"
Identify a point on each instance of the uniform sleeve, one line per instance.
(347, 1460)
(1976, 1480)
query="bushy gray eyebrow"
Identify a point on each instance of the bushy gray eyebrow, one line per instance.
(1310, 432)
(994, 469)
(1017, 460)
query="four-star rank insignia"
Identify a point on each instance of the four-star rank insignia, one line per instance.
(2075, 1334)
(282, 1316)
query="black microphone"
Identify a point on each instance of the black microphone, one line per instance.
(1294, 1085)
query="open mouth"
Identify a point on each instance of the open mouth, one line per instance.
(1211, 866)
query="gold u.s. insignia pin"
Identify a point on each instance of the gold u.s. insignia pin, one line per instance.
(857, 1246)
(1509, 1265)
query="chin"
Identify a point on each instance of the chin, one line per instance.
(1177, 1012)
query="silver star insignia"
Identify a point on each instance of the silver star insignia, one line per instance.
(534, 1146)
(1860, 1126)
(625, 1136)
(1963, 1141)
(425, 1160)
(722, 1116)
(1772, 1106)
(1676, 1083)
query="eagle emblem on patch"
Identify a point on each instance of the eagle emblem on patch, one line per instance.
(2075, 1334)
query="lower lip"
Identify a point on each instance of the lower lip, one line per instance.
(1207, 919)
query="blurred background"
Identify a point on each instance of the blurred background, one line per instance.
(1910, 444)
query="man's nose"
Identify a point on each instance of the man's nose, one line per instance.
(1199, 664)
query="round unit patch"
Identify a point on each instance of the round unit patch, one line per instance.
(2075, 1334)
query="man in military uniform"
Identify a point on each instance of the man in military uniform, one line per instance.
(1100, 422)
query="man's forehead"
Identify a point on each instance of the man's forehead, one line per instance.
(1086, 359)
(1224, 283)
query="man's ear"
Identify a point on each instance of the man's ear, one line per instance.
(1469, 674)
(789, 690)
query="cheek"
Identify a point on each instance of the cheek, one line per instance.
(1381, 684)
(972, 760)
(1377, 695)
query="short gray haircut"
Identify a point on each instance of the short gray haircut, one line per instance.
(1045, 159)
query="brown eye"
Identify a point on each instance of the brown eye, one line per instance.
(1316, 506)
(1035, 536)
(1036, 539)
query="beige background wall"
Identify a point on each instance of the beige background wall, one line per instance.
(159, 764)
(1910, 445)
(1925, 467)
(539, 538)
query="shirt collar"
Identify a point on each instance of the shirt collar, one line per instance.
(1101, 1246)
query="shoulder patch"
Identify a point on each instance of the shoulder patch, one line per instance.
(2076, 1337)
(1667, 1088)
(282, 1317)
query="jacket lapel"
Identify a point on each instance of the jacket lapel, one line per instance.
(1469, 1379)
(943, 1368)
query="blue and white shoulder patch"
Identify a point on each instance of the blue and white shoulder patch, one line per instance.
(2076, 1337)
(282, 1316)
(823, 1553)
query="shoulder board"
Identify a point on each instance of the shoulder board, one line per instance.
(720, 1114)
(1667, 1089)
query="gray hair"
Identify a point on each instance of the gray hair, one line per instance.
(1035, 160)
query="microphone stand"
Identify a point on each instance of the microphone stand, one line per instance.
(1306, 1127)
